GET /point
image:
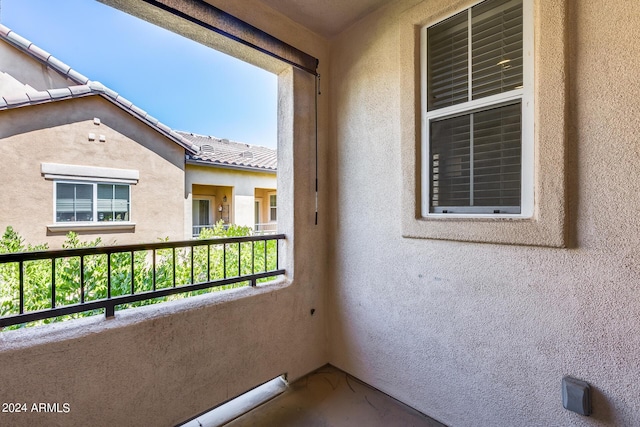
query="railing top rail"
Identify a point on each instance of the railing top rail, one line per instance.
(100, 250)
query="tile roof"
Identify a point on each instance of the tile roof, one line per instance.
(222, 152)
(83, 87)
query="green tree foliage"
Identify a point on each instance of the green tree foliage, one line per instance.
(173, 267)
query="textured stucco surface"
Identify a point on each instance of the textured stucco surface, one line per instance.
(481, 334)
(38, 77)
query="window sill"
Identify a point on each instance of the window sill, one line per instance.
(91, 226)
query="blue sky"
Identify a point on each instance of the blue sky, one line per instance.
(187, 86)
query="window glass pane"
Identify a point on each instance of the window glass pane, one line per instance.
(497, 47)
(200, 213)
(113, 202)
(476, 161)
(450, 161)
(74, 202)
(496, 156)
(105, 202)
(121, 202)
(447, 61)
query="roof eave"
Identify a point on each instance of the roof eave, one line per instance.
(228, 166)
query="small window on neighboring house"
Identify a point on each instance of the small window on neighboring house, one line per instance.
(477, 147)
(92, 202)
(272, 208)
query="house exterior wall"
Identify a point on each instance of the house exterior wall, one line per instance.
(481, 334)
(58, 133)
(36, 75)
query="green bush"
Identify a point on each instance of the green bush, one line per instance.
(169, 270)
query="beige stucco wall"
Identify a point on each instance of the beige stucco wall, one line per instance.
(58, 133)
(481, 334)
(162, 364)
(29, 71)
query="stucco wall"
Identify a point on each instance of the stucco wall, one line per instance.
(481, 334)
(58, 133)
(162, 364)
(30, 72)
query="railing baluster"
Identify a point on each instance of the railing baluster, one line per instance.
(153, 279)
(174, 267)
(265, 255)
(53, 283)
(253, 263)
(133, 289)
(277, 254)
(109, 275)
(208, 263)
(224, 259)
(192, 249)
(82, 279)
(21, 278)
(239, 259)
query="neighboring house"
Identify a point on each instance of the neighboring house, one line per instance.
(232, 182)
(79, 157)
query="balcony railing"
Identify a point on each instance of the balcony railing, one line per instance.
(266, 228)
(197, 229)
(87, 279)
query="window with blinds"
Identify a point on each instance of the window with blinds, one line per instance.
(475, 91)
(92, 202)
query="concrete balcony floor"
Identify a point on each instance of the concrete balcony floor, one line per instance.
(330, 397)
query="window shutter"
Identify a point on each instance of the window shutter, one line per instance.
(496, 47)
(448, 62)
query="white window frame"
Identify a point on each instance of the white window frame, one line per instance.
(525, 95)
(273, 207)
(258, 201)
(80, 174)
(94, 215)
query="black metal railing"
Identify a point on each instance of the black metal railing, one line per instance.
(153, 271)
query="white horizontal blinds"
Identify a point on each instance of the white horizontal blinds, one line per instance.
(113, 202)
(496, 47)
(451, 161)
(74, 202)
(448, 62)
(497, 165)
